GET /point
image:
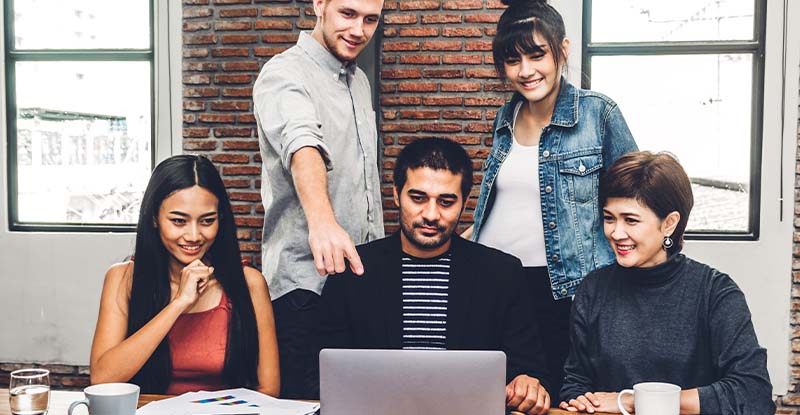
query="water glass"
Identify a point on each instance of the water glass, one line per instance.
(29, 391)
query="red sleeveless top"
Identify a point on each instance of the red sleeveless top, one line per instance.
(197, 344)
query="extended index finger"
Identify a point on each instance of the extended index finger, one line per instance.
(355, 260)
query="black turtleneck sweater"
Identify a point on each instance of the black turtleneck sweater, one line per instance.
(680, 322)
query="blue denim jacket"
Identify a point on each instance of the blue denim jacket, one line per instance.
(587, 133)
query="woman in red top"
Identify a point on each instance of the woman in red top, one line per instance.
(186, 315)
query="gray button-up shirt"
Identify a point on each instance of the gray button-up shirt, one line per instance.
(305, 97)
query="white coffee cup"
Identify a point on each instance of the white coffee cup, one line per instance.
(653, 398)
(109, 399)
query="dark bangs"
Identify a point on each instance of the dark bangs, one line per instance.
(517, 38)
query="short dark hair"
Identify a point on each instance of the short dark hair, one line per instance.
(517, 26)
(655, 180)
(437, 154)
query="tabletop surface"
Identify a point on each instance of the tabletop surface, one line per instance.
(60, 400)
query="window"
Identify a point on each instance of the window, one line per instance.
(80, 110)
(688, 76)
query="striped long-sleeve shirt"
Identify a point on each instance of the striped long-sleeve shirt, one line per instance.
(426, 284)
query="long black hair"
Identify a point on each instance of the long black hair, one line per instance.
(517, 26)
(150, 291)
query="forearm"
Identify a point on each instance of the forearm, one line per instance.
(311, 182)
(121, 362)
(690, 402)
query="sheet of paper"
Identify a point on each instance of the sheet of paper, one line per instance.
(230, 401)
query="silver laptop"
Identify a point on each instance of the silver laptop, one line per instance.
(412, 382)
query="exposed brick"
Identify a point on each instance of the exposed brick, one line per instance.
(196, 132)
(195, 145)
(269, 52)
(232, 132)
(245, 196)
(227, 25)
(229, 52)
(420, 59)
(462, 114)
(443, 73)
(400, 100)
(216, 118)
(482, 18)
(462, 4)
(419, 5)
(238, 39)
(200, 92)
(199, 39)
(441, 18)
(230, 106)
(462, 59)
(195, 26)
(280, 11)
(481, 73)
(419, 114)
(272, 24)
(484, 102)
(417, 87)
(400, 18)
(240, 66)
(419, 32)
(461, 87)
(280, 38)
(196, 79)
(238, 12)
(401, 73)
(231, 159)
(462, 32)
(439, 100)
(478, 45)
(232, 79)
(195, 53)
(193, 13)
(239, 145)
(241, 171)
(442, 45)
(200, 66)
(398, 46)
(237, 92)
(231, 1)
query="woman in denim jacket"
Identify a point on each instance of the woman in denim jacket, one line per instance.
(551, 142)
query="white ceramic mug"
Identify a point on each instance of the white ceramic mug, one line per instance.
(109, 399)
(653, 398)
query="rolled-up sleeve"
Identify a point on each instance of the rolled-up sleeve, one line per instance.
(287, 115)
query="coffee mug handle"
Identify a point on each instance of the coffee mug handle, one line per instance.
(619, 401)
(75, 404)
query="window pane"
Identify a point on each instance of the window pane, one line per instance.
(699, 108)
(81, 24)
(671, 21)
(83, 136)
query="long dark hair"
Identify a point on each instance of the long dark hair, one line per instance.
(517, 26)
(150, 291)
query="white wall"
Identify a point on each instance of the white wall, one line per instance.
(50, 283)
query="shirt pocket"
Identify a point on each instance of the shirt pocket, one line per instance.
(580, 177)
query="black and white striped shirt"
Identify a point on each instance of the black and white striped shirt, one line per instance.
(425, 288)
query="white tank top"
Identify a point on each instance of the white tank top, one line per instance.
(514, 224)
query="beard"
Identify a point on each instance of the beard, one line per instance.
(330, 44)
(427, 243)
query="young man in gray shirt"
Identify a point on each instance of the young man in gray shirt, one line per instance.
(320, 185)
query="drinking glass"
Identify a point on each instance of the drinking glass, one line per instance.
(29, 391)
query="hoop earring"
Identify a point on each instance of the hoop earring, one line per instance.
(667, 243)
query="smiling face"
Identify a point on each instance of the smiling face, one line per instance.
(536, 75)
(344, 27)
(430, 206)
(188, 224)
(635, 232)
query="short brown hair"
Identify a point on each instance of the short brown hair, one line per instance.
(655, 180)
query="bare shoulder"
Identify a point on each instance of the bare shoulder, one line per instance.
(255, 281)
(120, 273)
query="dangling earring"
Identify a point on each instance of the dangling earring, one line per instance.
(667, 243)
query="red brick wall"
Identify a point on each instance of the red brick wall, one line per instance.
(436, 78)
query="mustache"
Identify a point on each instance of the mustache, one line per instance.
(427, 224)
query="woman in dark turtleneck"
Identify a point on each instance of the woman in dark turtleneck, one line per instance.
(656, 315)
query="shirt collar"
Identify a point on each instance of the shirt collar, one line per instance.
(325, 58)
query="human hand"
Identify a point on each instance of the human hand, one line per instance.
(592, 402)
(194, 280)
(330, 245)
(526, 394)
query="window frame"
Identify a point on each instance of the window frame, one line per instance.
(755, 47)
(11, 56)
